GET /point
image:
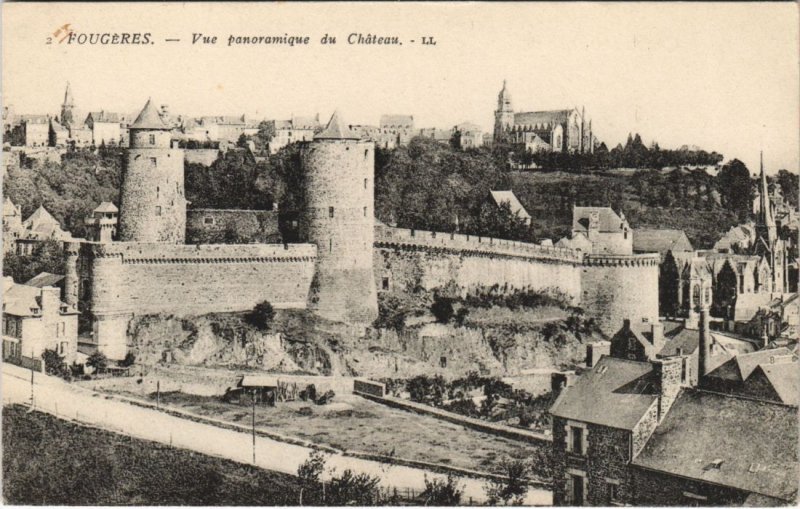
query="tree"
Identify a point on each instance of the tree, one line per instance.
(789, 183)
(47, 256)
(735, 187)
(442, 309)
(353, 489)
(98, 361)
(262, 315)
(442, 492)
(129, 360)
(668, 278)
(512, 487)
(54, 363)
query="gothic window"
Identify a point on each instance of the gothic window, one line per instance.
(696, 295)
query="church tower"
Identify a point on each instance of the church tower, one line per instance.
(340, 219)
(768, 245)
(152, 201)
(504, 115)
(67, 107)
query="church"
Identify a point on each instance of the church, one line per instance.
(566, 130)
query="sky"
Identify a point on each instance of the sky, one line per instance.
(724, 77)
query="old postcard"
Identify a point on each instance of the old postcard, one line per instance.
(387, 254)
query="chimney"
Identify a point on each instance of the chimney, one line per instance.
(704, 346)
(667, 375)
(50, 300)
(657, 333)
(594, 351)
(594, 220)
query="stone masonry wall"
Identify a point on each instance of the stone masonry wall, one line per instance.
(134, 278)
(616, 288)
(660, 489)
(214, 226)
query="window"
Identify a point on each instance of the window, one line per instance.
(330, 211)
(152, 139)
(158, 210)
(365, 211)
(576, 488)
(153, 162)
(577, 440)
(330, 245)
(365, 183)
(208, 220)
(385, 283)
(612, 487)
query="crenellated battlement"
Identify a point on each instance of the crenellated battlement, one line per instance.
(638, 260)
(386, 236)
(157, 253)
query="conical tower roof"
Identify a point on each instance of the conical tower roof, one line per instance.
(149, 118)
(337, 130)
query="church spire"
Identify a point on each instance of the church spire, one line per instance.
(67, 107)
(765, 214)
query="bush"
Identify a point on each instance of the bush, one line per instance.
(439, 492)
(353, 489)
(312, 468)
(129, 360)
(262, 316)
(442, 309)
(512, 488)
(54, 364)
(98, 361)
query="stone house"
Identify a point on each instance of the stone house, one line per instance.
(296, 129)
(702, 454)
(105, 127)
(602, 422)
(652, 240)
(33, 130)
(35, 319)
(608, 232)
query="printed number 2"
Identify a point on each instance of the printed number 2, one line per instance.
(49, 40)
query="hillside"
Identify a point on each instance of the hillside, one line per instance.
(681, 199)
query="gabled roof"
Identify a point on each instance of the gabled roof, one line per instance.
(742, 443)
(646, 240)
(106, 206)
(533, 118)
(104, 117)
(784, 378)
(609, 220)
(149, 118)
(615, 393)
(9, 207)
(34, 119)
(20, 300)
(40, 217)
(401, 121)
(337, 130)
(741, 366)
(509, 197)
(305, 123)
(44, 279)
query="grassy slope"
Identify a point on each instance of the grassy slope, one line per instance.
(50, 461)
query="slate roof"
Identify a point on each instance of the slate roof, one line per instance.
(148, 118)
(104, 117)
(34, 119)
(615, 393)
(532, 118)
(754, 442)
(509, 197)
(609, 220)
(305, 122)
(741, 366)
(106, 206)
(401, 121)
(784, 377)
(44, 279)
(19, 300)
(40, 218)
(337, 130)
(646, 240)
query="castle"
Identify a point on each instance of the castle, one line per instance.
(543, 131)
(347, 261)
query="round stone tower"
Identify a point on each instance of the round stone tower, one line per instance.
(152, 201)
(340, 219)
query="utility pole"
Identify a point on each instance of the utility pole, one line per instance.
(254, 426)
(32, 370)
